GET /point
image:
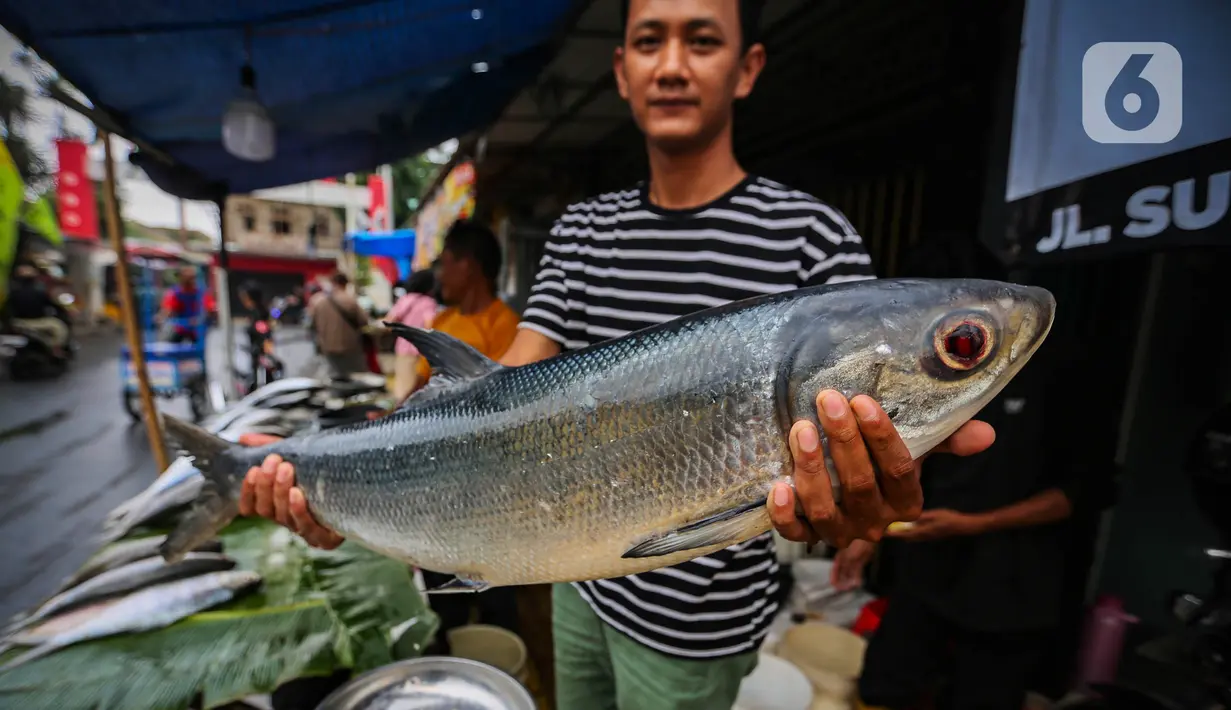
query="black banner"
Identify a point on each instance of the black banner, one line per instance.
(1181, 199)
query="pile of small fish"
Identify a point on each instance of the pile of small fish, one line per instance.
(126, 586)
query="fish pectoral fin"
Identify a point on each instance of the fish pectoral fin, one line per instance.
(447, 356)
(730, 526)
(459, 585)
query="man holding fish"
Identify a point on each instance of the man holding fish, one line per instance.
(699, 233)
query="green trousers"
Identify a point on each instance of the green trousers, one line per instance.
(599, 668)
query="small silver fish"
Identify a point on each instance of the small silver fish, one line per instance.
(134, 575)
(179, 470)
(44, 631)
(173, 497)
(147, 609)
(123, 552)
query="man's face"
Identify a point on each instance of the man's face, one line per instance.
(454, 274)
(188, 279)
(681, 69)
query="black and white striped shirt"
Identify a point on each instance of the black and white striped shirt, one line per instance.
(617, 263)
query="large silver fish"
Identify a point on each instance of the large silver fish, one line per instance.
(144, 610)
(134, 575)
(639, 452)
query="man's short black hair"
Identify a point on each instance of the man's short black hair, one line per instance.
(749, 21)
(339, 279)
(471, 239)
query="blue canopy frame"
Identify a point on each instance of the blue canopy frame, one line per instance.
(350, 84)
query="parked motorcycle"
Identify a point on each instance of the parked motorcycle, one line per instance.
(30, 357)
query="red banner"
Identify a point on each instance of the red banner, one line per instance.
(386, 266)
(75, 192)
(377, 209)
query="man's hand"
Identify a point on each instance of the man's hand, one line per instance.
(269, 491)
(938, 524)
(848, 565)
(859, 432)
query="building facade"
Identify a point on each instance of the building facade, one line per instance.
(282, 228)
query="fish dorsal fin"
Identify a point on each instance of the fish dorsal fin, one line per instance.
(452, 361)
(448, 357)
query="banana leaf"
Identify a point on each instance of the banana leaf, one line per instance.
(315, 613)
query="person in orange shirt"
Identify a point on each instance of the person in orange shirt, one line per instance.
(467, 269)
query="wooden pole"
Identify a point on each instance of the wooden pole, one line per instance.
(153, 427)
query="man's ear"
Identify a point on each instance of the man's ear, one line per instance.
(617, 66)
(749, 70)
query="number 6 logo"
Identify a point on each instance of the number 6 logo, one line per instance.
(1132, 92)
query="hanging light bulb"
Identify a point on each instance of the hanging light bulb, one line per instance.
(247, 130)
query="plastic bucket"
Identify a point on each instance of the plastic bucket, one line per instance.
(830, 656)
(492, 645)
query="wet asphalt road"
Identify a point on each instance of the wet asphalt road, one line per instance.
(69, 454)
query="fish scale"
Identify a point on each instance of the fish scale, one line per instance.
(639, 452)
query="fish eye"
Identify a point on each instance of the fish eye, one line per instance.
(963, 343)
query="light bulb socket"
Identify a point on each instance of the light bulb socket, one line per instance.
(247, 77)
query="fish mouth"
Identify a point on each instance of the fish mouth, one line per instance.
(1036, 323)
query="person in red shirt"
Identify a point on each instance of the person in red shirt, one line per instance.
(181, 306)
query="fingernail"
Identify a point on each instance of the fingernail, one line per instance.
(834, 405)
(808, 440)
(284, 476)
(296, 495)
(780, 496)
(864, 409)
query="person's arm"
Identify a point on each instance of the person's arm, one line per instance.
(1043, 508)
(529, 346)
(544, 330)
(1049, 506)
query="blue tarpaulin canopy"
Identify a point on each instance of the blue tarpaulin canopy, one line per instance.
(396, 244)
(350, 84)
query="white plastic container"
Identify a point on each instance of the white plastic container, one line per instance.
(775, 684)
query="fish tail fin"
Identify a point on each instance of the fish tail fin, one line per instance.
(223, 464)
(31, 655)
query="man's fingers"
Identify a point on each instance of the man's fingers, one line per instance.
(284, 480)
(861, 497)
(813, 487)
(247, 493)
(782, 514)
(899, 477)
(312, 532)
(265, 486)
(973, 437)
(251, 439)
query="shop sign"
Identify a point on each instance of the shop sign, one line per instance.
(1183, 199)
